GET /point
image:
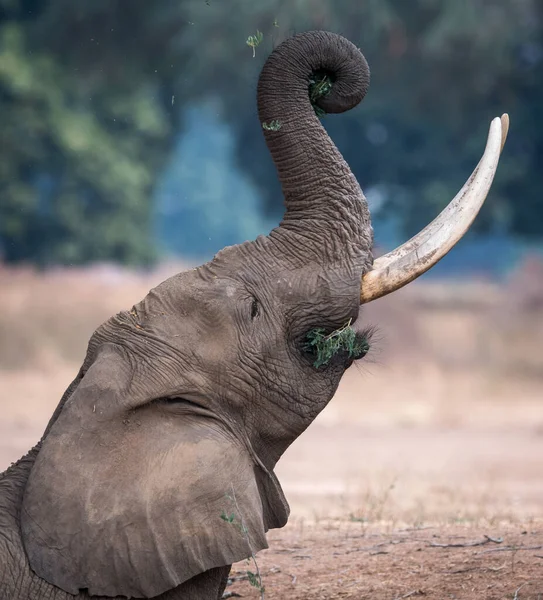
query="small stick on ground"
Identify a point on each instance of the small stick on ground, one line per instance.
(409, 594)
(510, 549)
(487, 540)
(364, 549)
(468, 569)
(408, 529)
(515, 597)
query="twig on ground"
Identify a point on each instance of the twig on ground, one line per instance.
(409, 594)
(510, 549)
(487, 540)
(468, 569)
(515, 597)
(363, 549)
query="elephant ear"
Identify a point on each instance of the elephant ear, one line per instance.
(135, 503)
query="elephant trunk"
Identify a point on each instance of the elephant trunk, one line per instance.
(322, 196)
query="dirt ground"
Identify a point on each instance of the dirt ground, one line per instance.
(341, 560)
(422, 478)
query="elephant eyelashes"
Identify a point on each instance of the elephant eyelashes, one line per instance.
(255, 309)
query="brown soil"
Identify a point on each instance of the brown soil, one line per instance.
(341, 560)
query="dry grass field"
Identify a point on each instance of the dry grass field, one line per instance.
(422, 478)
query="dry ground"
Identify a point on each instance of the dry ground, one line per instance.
(339, 560)
(423, 477)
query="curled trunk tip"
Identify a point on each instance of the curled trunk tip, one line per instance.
(295, 63)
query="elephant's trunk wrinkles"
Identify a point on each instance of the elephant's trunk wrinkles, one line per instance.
(317, 183)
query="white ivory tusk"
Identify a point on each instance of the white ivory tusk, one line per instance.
(410, 260)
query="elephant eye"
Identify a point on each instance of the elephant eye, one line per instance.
(255, 308)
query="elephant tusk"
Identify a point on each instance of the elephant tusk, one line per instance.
(410, 260)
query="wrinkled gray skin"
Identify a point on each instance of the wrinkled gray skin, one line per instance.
(184, 404)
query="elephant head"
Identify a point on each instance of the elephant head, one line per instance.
(185, 403)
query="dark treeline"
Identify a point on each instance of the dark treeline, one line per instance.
(92, 95)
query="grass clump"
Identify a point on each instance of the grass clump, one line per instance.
(320, 85)
(324, 347)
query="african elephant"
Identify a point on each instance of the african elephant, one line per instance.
(155, 472)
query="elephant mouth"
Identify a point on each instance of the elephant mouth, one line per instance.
(338, 347)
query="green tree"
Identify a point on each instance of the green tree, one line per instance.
(83, 133)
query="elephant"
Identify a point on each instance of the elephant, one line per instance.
(155, 472)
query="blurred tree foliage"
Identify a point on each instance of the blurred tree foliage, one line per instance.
(85, 129)
(91, 94)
